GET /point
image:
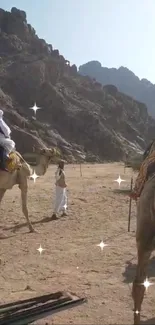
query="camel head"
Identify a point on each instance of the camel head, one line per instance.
(49, 154)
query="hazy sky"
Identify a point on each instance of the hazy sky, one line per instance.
(114, 32)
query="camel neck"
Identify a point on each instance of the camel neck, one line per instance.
(41, 167)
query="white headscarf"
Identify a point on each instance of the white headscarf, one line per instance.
(4, 127)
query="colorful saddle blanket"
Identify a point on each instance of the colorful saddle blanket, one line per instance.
(12, 163)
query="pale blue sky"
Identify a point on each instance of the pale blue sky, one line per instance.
(114, 32)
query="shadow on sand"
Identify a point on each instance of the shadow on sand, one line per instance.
(130, 271)
(129, 275)
(124, 191)
(22, 225)
(148, 321)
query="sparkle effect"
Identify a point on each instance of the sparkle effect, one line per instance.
(102, 245)
(34, 176)
(119, 180)
(147, 284)
(40, 249)
(35, 108)
(137, 312)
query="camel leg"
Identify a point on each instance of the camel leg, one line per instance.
(138, 288)
(24, 207)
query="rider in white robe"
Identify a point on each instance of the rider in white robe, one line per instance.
(7, 144)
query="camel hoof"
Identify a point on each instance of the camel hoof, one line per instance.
(64, 214)
(54, 217)
(36, 231)
(33, 230)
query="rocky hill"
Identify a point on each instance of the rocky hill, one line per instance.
(84, 119)
(125, 80)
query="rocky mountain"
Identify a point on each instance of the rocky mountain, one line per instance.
(78, 115)
(125, 80)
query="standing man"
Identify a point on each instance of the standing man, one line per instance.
(60, 193)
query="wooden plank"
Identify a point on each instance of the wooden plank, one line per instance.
(26, 311)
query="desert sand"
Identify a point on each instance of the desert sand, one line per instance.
(72, 259)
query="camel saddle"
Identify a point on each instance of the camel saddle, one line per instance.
(13, 162)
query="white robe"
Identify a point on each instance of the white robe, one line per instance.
(5, 141)
(60, 196)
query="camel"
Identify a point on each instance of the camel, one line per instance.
(145, 240)
(20, 174)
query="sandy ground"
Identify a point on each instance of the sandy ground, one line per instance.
(72, 260)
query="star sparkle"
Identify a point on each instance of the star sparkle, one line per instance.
(137, 312)
(35, 108)
(34, 176)
(102, 245)
(40, 249)
(119, 180)
(147, 284)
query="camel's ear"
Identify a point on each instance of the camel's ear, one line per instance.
(36, 150)
(43, 151)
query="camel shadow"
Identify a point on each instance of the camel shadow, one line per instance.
(124, 191)
(130, 270)
(22, 225)
(148, 321)
(3, 237)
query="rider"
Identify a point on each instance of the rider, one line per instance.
(146, 168)
(7, 145)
